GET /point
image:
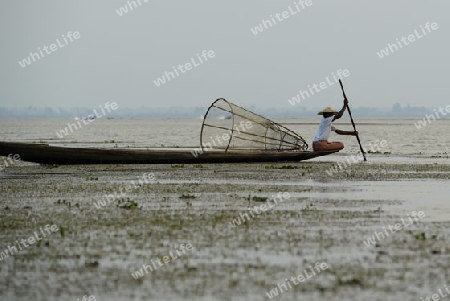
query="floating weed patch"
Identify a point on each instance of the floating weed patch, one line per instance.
(281, 167)
(128, 204)
(270, 167)
(352, 281)
(259, 199)
(420, 236)
(373, 152)
(64, 202)
(177, 165)
(309, 207)
(187, 196)
(255, 198)
(50, 166)
(289, 167)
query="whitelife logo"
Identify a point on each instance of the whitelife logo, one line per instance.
(86, 298)
(391, 48)
(281, 197)
(266, 24)
(319, 267)
(165, 259)
(71, 126)
(188, 66)
(108, 199)
(10, 161)
(397, 227)
(52, 48)
(358, 158)
(124, 9)
(302, 95)
(423, 122)
(31, 240)
(436, 297)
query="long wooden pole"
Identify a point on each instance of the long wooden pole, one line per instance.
(353, 123)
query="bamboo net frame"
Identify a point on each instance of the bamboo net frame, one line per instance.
(227, 126)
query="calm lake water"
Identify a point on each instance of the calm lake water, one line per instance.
(401, 135)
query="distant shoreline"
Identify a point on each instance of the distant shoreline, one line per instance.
(310, 117)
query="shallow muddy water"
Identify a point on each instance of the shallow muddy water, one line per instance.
(325, 219)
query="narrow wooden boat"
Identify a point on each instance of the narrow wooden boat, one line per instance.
(229, 134)
(48, 154)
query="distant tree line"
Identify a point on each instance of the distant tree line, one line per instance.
(397, 110)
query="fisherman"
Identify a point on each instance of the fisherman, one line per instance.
(320, 141)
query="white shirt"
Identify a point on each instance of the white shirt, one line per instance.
(325, 128)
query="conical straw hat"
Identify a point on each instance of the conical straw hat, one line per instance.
(327, 110)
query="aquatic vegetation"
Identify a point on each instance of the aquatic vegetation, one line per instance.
(281, 167)
(270, 167)
(309, 207)
(351, 281)
(420, 236)
(373, 152)
(187, 196)
(127, 204)
(177, 165)
(50, 166)
(259, 199)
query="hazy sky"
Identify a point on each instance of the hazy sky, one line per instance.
(118, 58)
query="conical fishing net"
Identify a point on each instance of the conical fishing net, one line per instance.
(227, 126)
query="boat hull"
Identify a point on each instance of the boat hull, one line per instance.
(47, 154)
